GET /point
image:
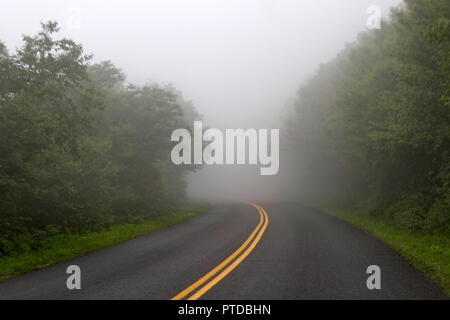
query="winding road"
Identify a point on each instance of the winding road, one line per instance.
(236, 251)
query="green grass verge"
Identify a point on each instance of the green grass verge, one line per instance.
(429, 254)
(66, 246)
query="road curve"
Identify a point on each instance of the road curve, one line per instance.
(294, 253)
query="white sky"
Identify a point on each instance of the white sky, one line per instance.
(238, 60)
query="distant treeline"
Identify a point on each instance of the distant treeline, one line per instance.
(371, 129)
(80, 149)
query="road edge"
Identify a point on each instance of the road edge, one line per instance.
(11, 266)
(431, 271)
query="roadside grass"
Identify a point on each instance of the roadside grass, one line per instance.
(66, 246)
(428, 253)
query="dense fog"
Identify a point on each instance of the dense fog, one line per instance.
(239, 62)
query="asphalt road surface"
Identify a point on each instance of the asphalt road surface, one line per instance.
(236, 251)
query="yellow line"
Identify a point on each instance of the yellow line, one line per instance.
(203, 279)
(230, 268)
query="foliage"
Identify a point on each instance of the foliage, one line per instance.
(380, 112)
(80, 150)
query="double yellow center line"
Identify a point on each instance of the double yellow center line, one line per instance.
(238, 256)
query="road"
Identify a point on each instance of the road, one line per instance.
(235, 251)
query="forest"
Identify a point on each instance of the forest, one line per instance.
(81, 149)
(84, 150)
(371, 129)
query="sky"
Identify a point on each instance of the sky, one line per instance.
(239, 61)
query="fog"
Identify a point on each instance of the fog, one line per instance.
(239, 61)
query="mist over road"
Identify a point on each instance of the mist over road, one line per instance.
(301, 254)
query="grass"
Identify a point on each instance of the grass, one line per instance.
(66, 246)
(428, 253)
